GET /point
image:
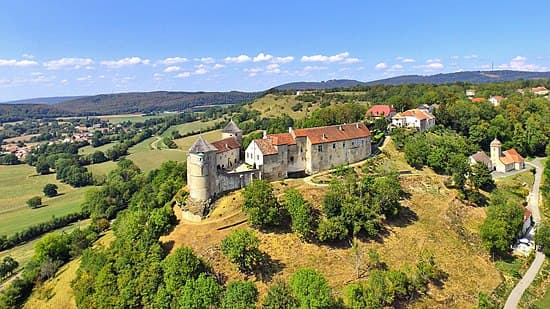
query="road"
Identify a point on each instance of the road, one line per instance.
(523, 284)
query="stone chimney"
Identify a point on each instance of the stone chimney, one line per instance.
(265, 134)
(340, 128)
(290, 129)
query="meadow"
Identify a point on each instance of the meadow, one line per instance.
(19, 183)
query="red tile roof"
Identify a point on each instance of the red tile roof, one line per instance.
(498, 98)
(478, 100)
(334, 133)
(541, 88)
(380, 110)
(526, 214)
(266, 147)
(511, 156)
(226, 144)
(418, 114)
(282, 139)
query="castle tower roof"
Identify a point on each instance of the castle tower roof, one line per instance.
(496, 143)
(231, 127)
(201, 145)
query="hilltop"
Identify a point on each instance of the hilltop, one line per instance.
(47, 100)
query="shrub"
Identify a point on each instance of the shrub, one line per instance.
(50, 190)
(34, 202)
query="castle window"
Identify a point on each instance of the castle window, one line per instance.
(291, 159)
(333, 146)
(320, 148)
(257, 157)
(352, 143)
(344, 144)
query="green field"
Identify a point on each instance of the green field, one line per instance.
(185, 143)
(18, 184)
(89, 149)
(186, 128)
(24, 252)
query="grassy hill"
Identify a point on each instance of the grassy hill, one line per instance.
(134, 102)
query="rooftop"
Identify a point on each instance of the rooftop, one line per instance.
(226, 144)
(334, 133)
(201, 145)
(231, 127)
(482, 157)
(418, 114)
(265, 146)
(381, 110)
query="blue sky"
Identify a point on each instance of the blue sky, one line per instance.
(51, 48)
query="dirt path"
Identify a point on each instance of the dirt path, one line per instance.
(154, 144)
(523, 284)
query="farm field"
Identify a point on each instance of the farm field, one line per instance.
(89, 149)
(185, 143)
(18, 184)
(194, 126)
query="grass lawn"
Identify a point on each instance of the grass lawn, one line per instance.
(89, 149)
(186, 128)
(185, 143)
(18, 184)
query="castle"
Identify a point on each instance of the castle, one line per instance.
(500, 161)
(217, 167)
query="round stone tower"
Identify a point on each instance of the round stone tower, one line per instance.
(232, 130)
(201, 170)
(496, 151)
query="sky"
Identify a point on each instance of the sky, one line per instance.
(57, 48)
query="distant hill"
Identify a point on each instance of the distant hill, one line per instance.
(476, 77)
(48, 100)
(16, 112)
(123, 103)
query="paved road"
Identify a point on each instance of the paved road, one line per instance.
(523, 284)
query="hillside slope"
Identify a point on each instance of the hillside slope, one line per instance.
(47, 100)
(133, 102)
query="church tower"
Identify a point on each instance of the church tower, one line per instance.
(201, 170)
(232, 130)
(496, 151)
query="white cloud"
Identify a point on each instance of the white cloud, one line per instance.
(64, 81)
(84, 78)
(16, 63)
(218, 66)
(314, 68)
(128, 61)
(201, 71)
(434, 66)
(173, 68)
(350, 60)
(207, 60)
(238, 59)
(173, 60)
(473, 56)
(253, 71)
(183, 75)
(380, 66)
(397, 67)
(433, 60)
(282, 59)
(408, 60)
(519, 63)
(27, 56)
(68, 63)
(273, 68)
(341, 57)
(262, 57)
(454, 57)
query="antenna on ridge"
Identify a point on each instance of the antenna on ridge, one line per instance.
(492, 66)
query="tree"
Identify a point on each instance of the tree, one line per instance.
(260, 204)
(42, 167)
(204, 292)
(332, 229)
(34, 202)
(242, 295)
(279, 296)
(242, 248)
(98, 157)
(311, 289)
(387, 193)
(179, 267)
(480, 177)
(542, 237)
(300, 213)
(7, 266)
(52, 247)
(502, 225)
(50, 190)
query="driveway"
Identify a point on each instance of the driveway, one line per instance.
(533, 205)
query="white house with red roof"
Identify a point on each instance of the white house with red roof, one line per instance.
(495, 100)
(378, 111)
(414, 118)
(540, 90)
(505, 161)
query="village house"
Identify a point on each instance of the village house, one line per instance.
(496, 100)
(478, 100)
(505, 161)
(481, 157)
(379, 111)
(540, 90)
(470, 93)
(414, 118)
(214, 168)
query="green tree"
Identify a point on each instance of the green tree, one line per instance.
(204, 292)
(179, 267)
(311, 289)
(260, 204)
(279, 296)
(7, 266)
(480, 177)
(34, 202)
(332, 229)
(50, 190)
(542, 237)
(42, 167)
(300, 213)
(52, 247)
(242, 248)
(242, 295)
(387, 193)
(98, 157)
(502, 224)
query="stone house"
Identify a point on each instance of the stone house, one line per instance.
(495, 100)
(481, 157)
(414, 118)
(378, 111)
